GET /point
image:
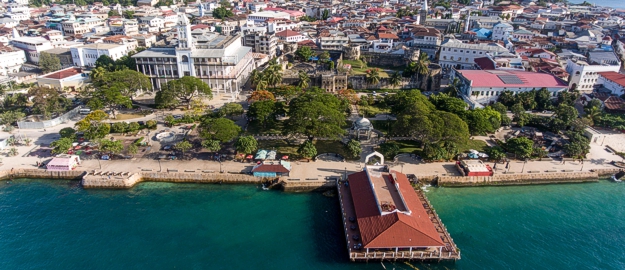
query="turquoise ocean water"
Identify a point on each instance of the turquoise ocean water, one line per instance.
(59, 225)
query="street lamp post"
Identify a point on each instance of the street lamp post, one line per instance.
(524, 162)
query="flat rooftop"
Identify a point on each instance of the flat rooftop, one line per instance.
(385, 189)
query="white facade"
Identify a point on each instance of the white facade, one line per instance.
(220, 61)
(11, 62)
(614, 82)
(502, 31)
(584, 76)
(460, 55)
(264, 15)
(86, 55)
(80, 26)
(32, 46)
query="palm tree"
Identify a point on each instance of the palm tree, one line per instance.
(272, 75)
(262, 85)
(594, 114)
(256, 77)
(97, 73)
(373, 76)
(421, 66)
(453, 89)
(395, 79)
(304, 80)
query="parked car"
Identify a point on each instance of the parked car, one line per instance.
(167, 147)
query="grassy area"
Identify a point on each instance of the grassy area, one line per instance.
(371, 111)
(473, 144)
(272, 128)
(409, 146)
(359, 69)
(384, 126)
(284, 147)
(125, 116)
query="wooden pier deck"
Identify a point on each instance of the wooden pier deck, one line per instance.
(449, 252)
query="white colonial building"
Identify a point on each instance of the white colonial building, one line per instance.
(220, 61)
(86, 55)
(11, 60)
(613, 81)
(32, 46)
(265, 15)
(459, 55)
(584, 77)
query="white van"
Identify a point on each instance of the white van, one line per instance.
(84, 111)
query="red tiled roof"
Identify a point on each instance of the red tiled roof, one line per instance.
(484, 63)
(614, 103)
(270, 168)
(62, 74)
(614, 76)
(489, 78)
(288, 33)
(396, 229)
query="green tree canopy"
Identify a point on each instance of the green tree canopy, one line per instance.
(48, 62)
(109, 98)
(446, 103)
(354, 148)
(111, 146)
(61, 145)
(67, 132)
(261, 111)
(316, 114)
(246, 144)
(307, 150)
(231, 109)
(521, 147)
(222, 12)
(47, 101)
(92, 125)
(211, 145)
(304, 52)
(10, 117)
(187, 88)
(483, 121)
(221, 129)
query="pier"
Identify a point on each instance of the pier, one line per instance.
(449, 252)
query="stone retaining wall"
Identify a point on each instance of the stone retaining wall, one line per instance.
(307, 185)
(37, 173)
(104, 181)
(519, 179)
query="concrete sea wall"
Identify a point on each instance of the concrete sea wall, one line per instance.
(95, 180)
(518, 179)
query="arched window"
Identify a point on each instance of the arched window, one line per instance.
(185, 59)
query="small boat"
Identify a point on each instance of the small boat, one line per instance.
(617, 176)
(264, 187)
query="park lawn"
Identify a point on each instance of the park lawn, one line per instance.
(383, 126)
(363, 71)
(371, 111)
(272, 128)
(285, 148)
(473, 144)
(408, 146)
(127, 116)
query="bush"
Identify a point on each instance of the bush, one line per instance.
(150, 124)
(133, 127)
(67, 132)
(138, 141)
(119, 127)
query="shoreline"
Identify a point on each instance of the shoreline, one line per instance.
(127, 180)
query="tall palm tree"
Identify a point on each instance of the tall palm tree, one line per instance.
(594, 114)
(421, 66)
(453, 89)
(97, 73)
(262, 85)
(304, 80)
(256, 77)
(373, 76)
(395, 79)
(272, 75)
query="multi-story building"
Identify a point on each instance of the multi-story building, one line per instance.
(11, 60)
(86, 55)
(502, 31)
(427, 39)
(332, 43)
(585, 77)
(613, 81)
(220, 61)
(80, 26)
(124, 27)
(265, 15)
(460, 55)
(482, 87)
(261, 42)
(290, 36)
(32, 46)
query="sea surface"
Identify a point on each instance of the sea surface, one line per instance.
(52, 224)
(618, 4)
